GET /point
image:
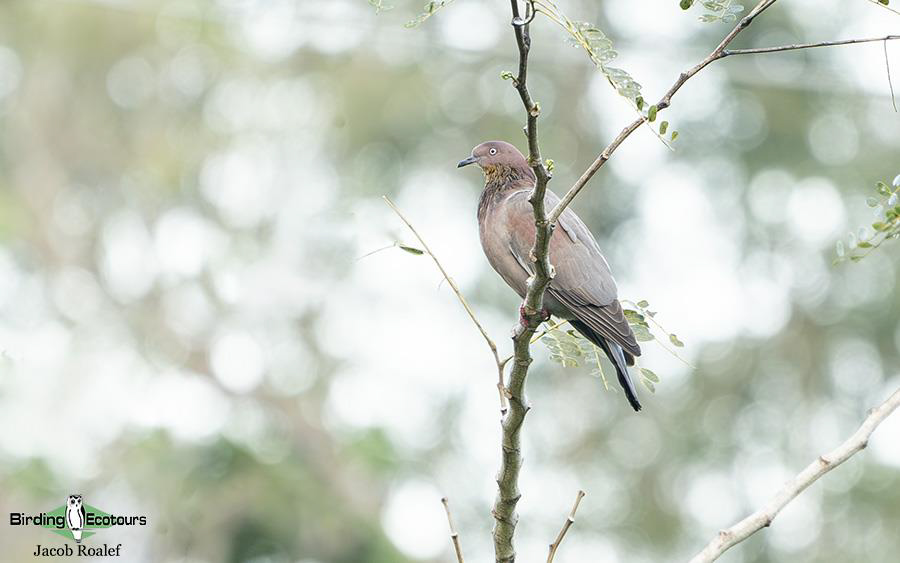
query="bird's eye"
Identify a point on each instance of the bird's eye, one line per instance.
(493, 151)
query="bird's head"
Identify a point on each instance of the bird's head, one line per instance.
(498, 159)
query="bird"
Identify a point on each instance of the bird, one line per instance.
(582, 290)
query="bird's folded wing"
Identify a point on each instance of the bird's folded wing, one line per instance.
(583, 281)
(606, 320)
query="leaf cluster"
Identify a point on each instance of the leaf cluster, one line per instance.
(886, 226)
(724, 11)
(428, 10)
(380, 6)
(569, 349)
(599, 47)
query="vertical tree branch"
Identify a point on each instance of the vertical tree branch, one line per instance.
(763, 517)
(508, 494)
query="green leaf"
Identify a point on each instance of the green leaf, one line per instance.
(634, 317)
(650, 375)
(380, 6)
(651, 113)
(650, 387)
(879, 226)
(663, 127)
(871, 202)
(674, 135)
(411, 249)
(675, 342)
(427, 11)
(643, 304)
(686, 4)
(507, 75)
(565, 348)
(642, 333)
(864, 244)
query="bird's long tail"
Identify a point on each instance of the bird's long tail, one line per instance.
(617, 356)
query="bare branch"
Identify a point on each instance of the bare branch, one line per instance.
(454, 535)
(500, 364)
(662, 104)
(798, 46)
(887, 68)
(568, 524)
(764, 516)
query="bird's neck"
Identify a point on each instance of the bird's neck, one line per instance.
(502, 177)
(499, 180)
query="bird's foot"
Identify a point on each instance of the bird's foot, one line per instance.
(523, 319)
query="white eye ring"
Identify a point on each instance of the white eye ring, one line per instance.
(493, 151)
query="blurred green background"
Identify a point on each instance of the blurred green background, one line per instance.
(188, 330)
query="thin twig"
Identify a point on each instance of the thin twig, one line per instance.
(887, 67)
(798, 46)
(568, 524)
(500, 364)
(376, 251)
(661, 105)
(763, 517)
(454, 535)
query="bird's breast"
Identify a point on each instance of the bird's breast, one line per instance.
(496, 240)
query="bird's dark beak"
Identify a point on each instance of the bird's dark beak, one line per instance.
(466, 161)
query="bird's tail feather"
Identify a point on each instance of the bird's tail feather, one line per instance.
(617, 356)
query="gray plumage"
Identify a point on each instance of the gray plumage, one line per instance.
(583, 290)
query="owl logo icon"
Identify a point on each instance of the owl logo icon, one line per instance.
(75, 516)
